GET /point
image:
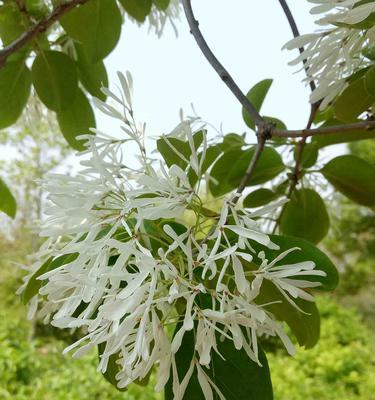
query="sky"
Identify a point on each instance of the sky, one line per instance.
(171, 73)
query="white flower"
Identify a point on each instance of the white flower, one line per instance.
(131, 265)
(334, 53)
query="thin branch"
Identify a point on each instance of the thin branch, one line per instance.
(36, 29)
(251, 168)
(327, 130)
(218, 67)
(296, 33)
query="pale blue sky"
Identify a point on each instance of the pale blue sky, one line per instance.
(170, 72)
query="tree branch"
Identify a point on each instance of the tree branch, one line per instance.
(296, 33)
(304, 133)
(218, 67)
(251, 168)
(36, 29)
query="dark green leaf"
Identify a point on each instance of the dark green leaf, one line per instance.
(256, 95)
(112, 368)
(353, 177)
(36, 8)
(259, 198)
(170, 148)
(12, 22)
(55, 79)
(269, 166)
(353, 101)
(305, 216)
(308, 252)
(96, 25)
(15, 85)
(305, 326)
(8, 203)
(370, 82)
(161, 4)
(235, 375)
(35, 284)
(309, 155)
(232, 165)
(92, 76)
(138, 9)
(77, 120)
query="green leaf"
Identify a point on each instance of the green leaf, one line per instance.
(305, 216)
(370, 82)
(15, 85)
(112, 368)
(353, 177)
(232, 140)
(353, 101)
(256, 96)
(36, 8)
(309, 156)
(161, 4)
(12, 22)
(96, 25)
(55, 79)
(92, 76)
(170, 149)
(305, 326)
(259, 198)
(35, 284)
(230, 168)
(77, 120)
(308, 252)
(235, 375)
(343, 137)
(138, 9)
(8, 203)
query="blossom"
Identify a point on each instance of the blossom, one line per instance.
(334, 53)
(130, 266)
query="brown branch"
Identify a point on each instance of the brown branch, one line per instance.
(36, 29)
(327, 130)
(218, 67)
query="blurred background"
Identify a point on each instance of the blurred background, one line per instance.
(170, 73)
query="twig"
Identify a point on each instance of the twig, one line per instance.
(36, 29)
(218, 67)
(296, 33)
(251, 168)
(357, 126)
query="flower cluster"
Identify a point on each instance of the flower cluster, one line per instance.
(133, 267)
(334, 53)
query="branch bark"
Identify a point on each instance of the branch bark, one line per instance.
(218, 67)
(36, 29)
(327, 130)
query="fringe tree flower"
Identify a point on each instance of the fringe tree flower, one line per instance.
(121, 264)
(334, 53)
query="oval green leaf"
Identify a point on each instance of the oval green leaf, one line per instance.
(256, 96)
(353, 177)
(15, 85)
(305, 216)
(96, 25)
(77, 120)
(55, 79)
(92, 76)
(259, 198)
